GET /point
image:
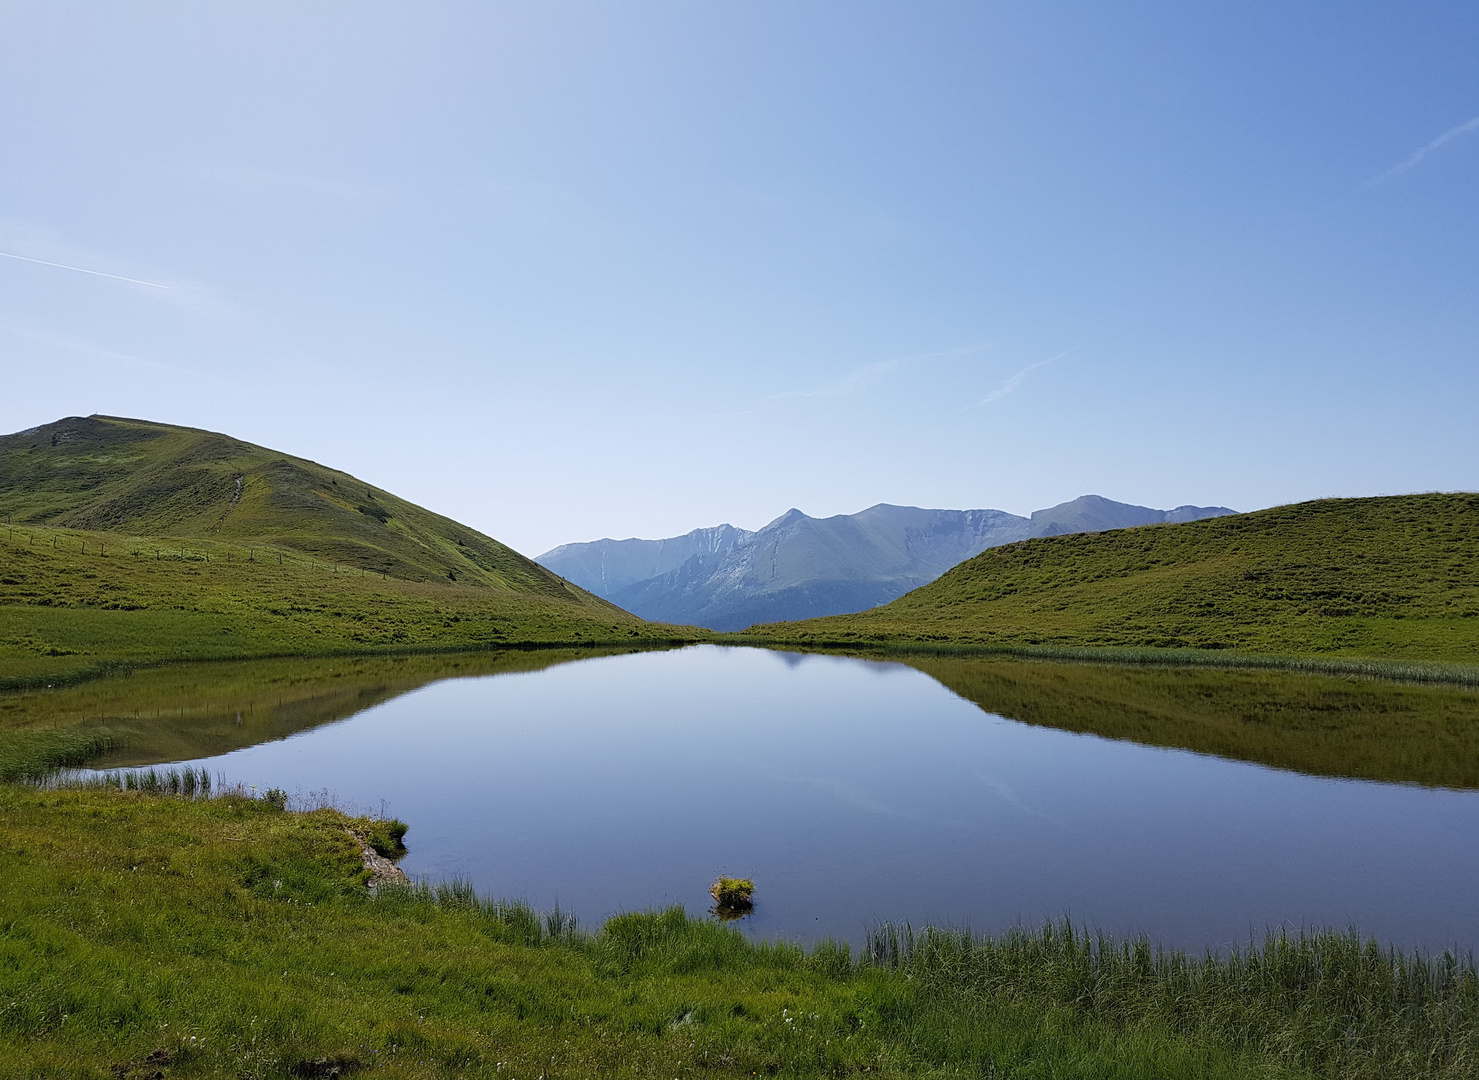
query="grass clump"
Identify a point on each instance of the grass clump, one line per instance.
(224, 936)
(1392, 579)
(733, 897)
(387, 837)
(187, 782)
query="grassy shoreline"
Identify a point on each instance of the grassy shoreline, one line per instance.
(148, 933)
(1397, 671)
(1403, 671)
(75, 614)
(111, 668)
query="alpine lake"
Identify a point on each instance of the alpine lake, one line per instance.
(1200, 807)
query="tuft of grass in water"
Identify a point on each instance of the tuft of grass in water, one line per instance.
(734, 898)
(191, 783)
(732, 890)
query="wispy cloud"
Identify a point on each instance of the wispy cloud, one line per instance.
(52, 343)
(1467, 127)
(860, 378)
(1016, 380)
(84, 270)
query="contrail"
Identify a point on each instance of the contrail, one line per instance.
(84, 270)
(1447, 137)
(1016, 380)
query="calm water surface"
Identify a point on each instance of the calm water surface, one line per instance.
(857, 791)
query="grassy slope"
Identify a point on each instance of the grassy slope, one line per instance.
(130, 545)
(138, 478)
(222, 937)
(1394, 578)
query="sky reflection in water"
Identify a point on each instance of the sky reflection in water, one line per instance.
(855, 791)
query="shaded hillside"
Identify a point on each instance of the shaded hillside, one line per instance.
(1391, 577)
(102, 473)
(800, 567)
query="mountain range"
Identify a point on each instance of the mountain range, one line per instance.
(1392, 577)
(801, 567)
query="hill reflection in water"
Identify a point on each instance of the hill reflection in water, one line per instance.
(854, 791)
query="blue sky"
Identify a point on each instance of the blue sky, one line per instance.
(571, 270)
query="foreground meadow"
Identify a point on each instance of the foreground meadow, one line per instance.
(147, 934)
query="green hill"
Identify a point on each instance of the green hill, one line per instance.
(129, 476)
(139, 542)
(1391, 578)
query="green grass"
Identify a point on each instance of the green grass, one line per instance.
(102, 474)
(1331, 1003)
(130, 543)
(223, 936)
(1393, 579)
(70, 612)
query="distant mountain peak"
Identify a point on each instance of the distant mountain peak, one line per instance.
(787, 518)
(726, 578)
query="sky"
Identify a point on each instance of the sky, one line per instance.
(571, 270)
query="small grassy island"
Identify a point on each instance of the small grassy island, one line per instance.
(164, 929)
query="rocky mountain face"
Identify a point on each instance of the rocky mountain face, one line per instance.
(613, 565)
(801, 567)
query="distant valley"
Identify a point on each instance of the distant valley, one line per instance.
(801, 567)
